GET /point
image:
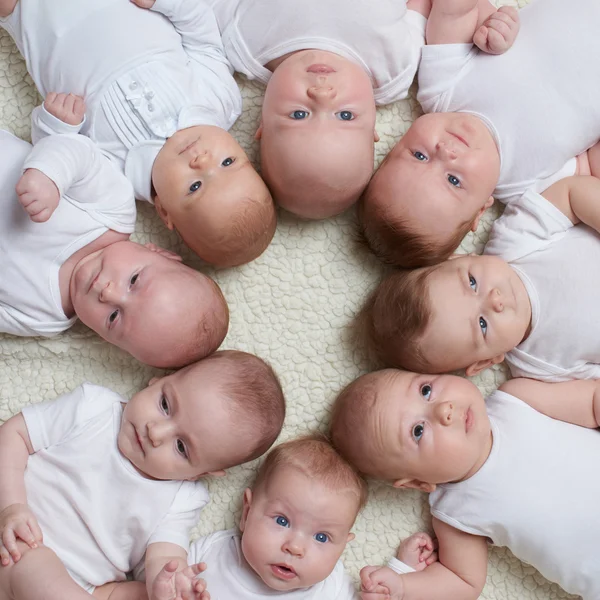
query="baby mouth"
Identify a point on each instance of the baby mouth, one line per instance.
(320, 68)
(283, 571)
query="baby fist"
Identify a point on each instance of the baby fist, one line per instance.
(417, 551)
(38, 195)
(380, 583)
(69, 108)
(144, 3)
(499, 32)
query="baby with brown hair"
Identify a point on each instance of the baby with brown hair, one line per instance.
(160, 99)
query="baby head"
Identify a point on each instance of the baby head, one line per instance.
(220, 412)
(411, 429)
(317, 133)
(430, 190)
(207, 189)
(297, 517)
(466, 312)
(145, 301)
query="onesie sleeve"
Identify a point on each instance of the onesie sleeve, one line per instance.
(197, 25)
(55, 421)
(442, 66)
(183, 514)
(527, 225)
(399, 567)
(86, 178)
(44, 124)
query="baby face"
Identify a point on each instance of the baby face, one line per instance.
(178, 427)
(202, 177)
(434, 427)
(295, 529)
(447, 165)
(318, 126)
(137, 298)
(480, 310)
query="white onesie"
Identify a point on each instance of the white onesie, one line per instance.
(95, 197)
(228, 576)
(559, 265)
(95, 509)
(144, 74)
(537, 493)
(383, 37)
(539, 99)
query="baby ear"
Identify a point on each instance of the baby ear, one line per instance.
(480, 365)
(487, 204)
(220, 473)
(245, 508)
(163, 252)
(414, 484)
(375, 135)
(163, 213)
(350, 537)
(154, 380)
(258, 133)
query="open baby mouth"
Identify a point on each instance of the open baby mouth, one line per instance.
(283, 571)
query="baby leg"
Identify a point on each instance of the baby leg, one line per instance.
(38, 575)
(6, 7)
(123, 590)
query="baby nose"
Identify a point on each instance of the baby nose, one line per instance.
(496, 300)
(444, 412)
(108, 292)
(156, 433)
(200, 159)
(294, 547)
(445, 150)
(321, 92)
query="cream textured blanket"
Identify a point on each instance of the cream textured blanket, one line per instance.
(292, 307)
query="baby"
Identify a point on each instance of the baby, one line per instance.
(71, 258)
(495, 470)
(124, 476)
(325, 68)
(530, 298)
(160, 99)
(491, 131)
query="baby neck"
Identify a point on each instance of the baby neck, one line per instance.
(66, 270)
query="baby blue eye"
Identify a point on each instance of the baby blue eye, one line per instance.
(321, 537)
(345, 115)
(419, 156)
(282, 521)
(455, 181)
(483, 325)
(228, 161)
(426, 391)
(473, 283)
(164, 405)
(181, 448)
(113, 316)
(195, 186)
(299, 115)
(133, 279)
(418, 431)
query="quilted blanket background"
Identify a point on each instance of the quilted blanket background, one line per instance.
(293, 306)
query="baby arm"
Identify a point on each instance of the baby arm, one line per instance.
(577, 198)
(16, 519)
(60, 113)
(459, 575)
(576, 402)
(168, 576)
(464, 21)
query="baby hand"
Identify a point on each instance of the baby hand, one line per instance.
(144, 3)
(380, 583)
(38, 195)
(69, 108)
(499, 32)
(17, 522)
(171, 584)
(418, 551)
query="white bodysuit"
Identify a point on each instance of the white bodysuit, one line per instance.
(144, 74)
(559, 264)
(383, 37)
(95, 197)
(95, 509)
(228, 576)
(537, 493)
(539, 99)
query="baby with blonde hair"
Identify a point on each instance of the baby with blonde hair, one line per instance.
(326, 67)
(495, 470)
(489, 132)
(160, 98)
(125, 477)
